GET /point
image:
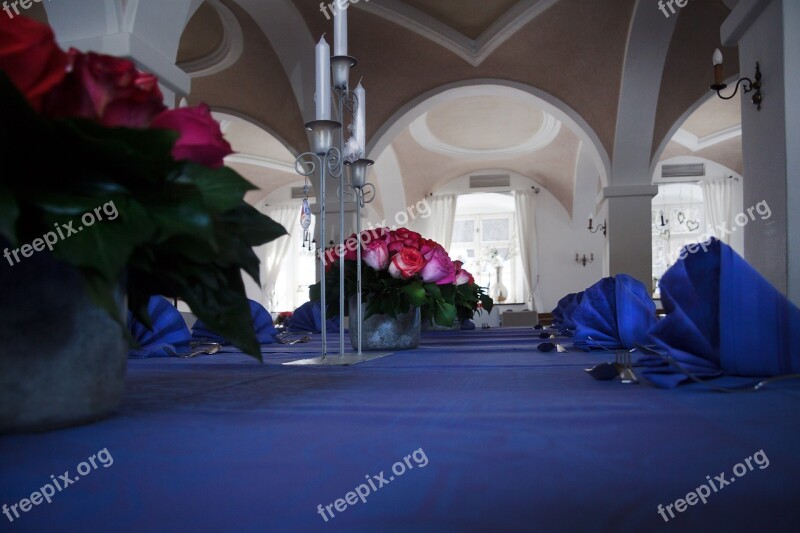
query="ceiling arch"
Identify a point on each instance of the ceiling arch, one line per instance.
(674, 132)
(649, 40)
(226, 53)
(424, 103)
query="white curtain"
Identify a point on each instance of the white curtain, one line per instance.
(525, 203)
(439, 225)
(718, 196)
(274, 253)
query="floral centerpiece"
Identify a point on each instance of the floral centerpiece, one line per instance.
(283, 318)
(402, 270)
(83, 130)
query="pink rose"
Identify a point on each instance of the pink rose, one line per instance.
(107, 90)
(30, 57)
(439, 268)
(406, 263)
(406, 238)
(376, 255)
(201, 139)
(461, 275)
(464, 277)
(369, 235)
(426, 245)
(351, 248)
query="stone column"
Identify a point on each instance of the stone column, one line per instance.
(630, 248)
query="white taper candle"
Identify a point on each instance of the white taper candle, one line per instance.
(323, 96)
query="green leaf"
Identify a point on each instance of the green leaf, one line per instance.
(253, 227)
(488, 303)
(434, 291)
(106, 245)
(225, 311)
(222, 188)
(444, 313)
(179, 210)
(138, 157)
(416, 293)
(101, 291)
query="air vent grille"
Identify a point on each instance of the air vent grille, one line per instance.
(683, 171)
(489, 181)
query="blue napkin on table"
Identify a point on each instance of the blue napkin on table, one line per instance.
(262, 324)
(723, 317)
(169, 330)
(308, 317)
(562, 314)
(615, 312)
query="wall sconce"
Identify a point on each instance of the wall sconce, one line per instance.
(584, 260)
(746, 83)
(599, 227)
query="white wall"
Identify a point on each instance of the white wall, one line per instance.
(791, 17)
(764, 143)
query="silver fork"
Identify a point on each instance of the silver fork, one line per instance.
(627, 376)
(623, 359)
(208, 349)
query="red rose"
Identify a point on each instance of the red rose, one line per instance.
(406, 263)
(106, 89)
(201, 139)
(30, 57)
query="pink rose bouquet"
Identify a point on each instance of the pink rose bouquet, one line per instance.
(83, 131)
(400, 270)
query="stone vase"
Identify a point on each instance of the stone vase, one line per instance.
(62, 359)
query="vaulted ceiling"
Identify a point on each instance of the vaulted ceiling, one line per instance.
(252, 62)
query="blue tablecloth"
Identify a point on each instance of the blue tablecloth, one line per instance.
(515, 440)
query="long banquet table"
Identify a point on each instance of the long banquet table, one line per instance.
(507, 439)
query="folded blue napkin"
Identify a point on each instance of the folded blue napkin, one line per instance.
(169, 330)
(562, 314)
(468, 325)
(308, 317)
(615, 312)
(723, 317)
(262, 324)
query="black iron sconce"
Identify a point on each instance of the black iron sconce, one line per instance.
(599, 227)
(747, 84)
